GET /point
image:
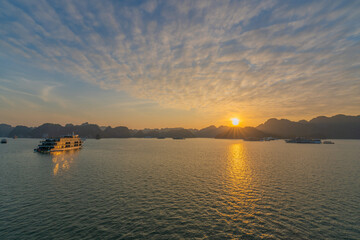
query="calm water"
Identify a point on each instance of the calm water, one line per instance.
(176, 189)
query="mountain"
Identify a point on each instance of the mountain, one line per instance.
(284, 128)
(85, 130)
(117, 132)
(165, 132)
(336, 127)
(5, 129)
(241, 133)
(184, 133)
(139, 134)
(339, 126)
(211, 131)
(20, 131)
(48, 130)
(55, 130)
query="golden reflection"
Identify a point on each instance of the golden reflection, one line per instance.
(63, 160)
(238, 162)
(240, 193)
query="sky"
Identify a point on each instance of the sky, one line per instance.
(154, 64)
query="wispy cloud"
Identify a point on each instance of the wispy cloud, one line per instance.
(268, 57)
(32, 90)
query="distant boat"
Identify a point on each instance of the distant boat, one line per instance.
(178, 138)
(253, 139)
(69, 142)
(160, 137)
(303, 140)
(269, 138)
(97, 136)
(3, 141)
(328, 142)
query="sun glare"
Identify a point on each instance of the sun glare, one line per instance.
(235, 121)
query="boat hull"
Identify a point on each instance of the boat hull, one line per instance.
(56, 150)
(65, 149)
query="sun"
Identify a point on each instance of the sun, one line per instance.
(235, 121)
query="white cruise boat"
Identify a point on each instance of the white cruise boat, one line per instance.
(70, 142)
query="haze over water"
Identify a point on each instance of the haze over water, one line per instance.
(193, 188)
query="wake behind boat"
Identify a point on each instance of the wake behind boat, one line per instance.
(69, 142)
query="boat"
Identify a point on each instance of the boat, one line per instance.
(303, 140)
(160, 137)
(3, 141)
(269, 139)
(64, 143)
(178, 138)
(253, 139)
(328, 142)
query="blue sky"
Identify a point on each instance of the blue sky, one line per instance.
(177, 63)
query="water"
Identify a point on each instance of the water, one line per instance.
(176, 189)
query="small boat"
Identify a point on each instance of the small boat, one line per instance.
(69, 142)
(178, 138)
(328, 142)
(253, 139)
(303, 140)
(3, 141)
(160, 137)
(269, 139)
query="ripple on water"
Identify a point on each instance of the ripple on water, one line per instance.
(197, 188)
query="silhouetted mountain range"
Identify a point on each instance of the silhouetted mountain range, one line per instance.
(211, 131)
(55, 130)
(241, 133)
(5, 129)
(118, 132)
(339, 126)
(167, 133)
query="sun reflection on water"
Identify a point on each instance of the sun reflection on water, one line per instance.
(240, 195)
(63, 160)
(238, 163)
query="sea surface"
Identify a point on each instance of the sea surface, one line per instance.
(181, 189)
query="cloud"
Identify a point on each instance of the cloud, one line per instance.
(250, 56)
(34, 92)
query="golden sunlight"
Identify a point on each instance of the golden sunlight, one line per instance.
(63, 160)
(235, 121)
